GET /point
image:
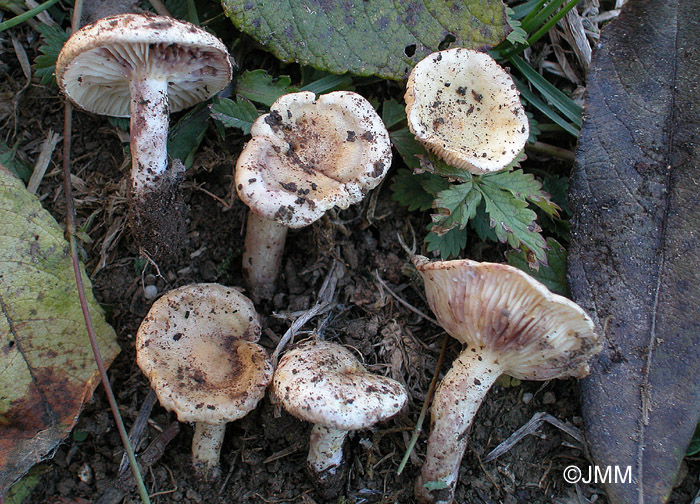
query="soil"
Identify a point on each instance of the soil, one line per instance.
(263, 457)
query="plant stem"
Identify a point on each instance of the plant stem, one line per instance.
(552, 150)
(424, 410)
(70, 230)
(26, 16)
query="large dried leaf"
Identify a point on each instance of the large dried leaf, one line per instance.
(382, 37)
(634, 255)
(47, 368)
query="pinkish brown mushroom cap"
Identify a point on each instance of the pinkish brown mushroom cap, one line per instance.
(324, 383)
(197, 347)
(466, 109)
(96, 64)
(535, 334)
(310, 154)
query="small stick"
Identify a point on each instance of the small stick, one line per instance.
(42, 161)
(137, 428)
(405, 303)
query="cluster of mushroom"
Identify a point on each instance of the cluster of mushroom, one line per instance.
(197, 345)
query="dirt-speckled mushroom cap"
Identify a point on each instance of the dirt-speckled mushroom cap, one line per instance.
(310, 154)
(197, 347)
(533, 333)
(323, 383)
(95, 65)
(466, 109)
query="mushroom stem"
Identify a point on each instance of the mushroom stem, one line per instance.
(325, 449)
(456, 402)
(206, 448)
(148, 132)
(262, 255)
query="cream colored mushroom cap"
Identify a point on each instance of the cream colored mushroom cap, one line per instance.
(197, 347)
(95, 65)
(323, 383)
(534, 333)
(310, 154)
(466, 109)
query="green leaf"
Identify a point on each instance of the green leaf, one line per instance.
(518, 35)
(54, 37)
(48, 368)
(694, 446)
(186, 136)
(512, 221)
(235, 114)
(552, 274)
(328, 83)
(382, 37)
(435, 485)
(260, 87)
(449, 244)
(482, 224)
(9, 159)
(393, 113)
(457, 205)
(408, 190)
(408, 147)
(523, 186)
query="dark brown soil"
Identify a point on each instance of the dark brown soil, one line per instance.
(263, 457)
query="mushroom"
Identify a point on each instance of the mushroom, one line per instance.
(509, 324)
(323, 383)
(306, 156)
(144, 66)
(197, 347)
(466, 109)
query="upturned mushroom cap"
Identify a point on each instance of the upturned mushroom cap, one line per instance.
(323, 383)
(196, 346)
(308, 155)
(96, 63)
(466, 109)
(496, 308)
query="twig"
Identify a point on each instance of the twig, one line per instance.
(42, 161)
(138, 426)
(405, 303)
(552, 150)
(530, 427)
(424, 410)
(323, 304)
(70, 230)
(160, 8)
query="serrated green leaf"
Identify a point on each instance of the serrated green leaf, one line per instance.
(518, 35)
(694, 446)
(407, 190)
(382, 37)
(458, 203)
(552, 274)
(187, 134)
(523, 186)
(433, 184)
(482, 225)
(449, 244)
(512, 221)
(393, 113)
(54, 37)
(260, 87)
(235, 114)
(47, 364)
(558, 188)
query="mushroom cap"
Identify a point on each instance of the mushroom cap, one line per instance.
(466, 109)
(308, 155)
(96, 64)
(197, 347)
(532, 333)
(323, 383)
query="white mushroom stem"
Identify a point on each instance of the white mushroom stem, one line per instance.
(206, 447)
(262, 255)
(325, 448)
(148, 131)
(456, 402)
